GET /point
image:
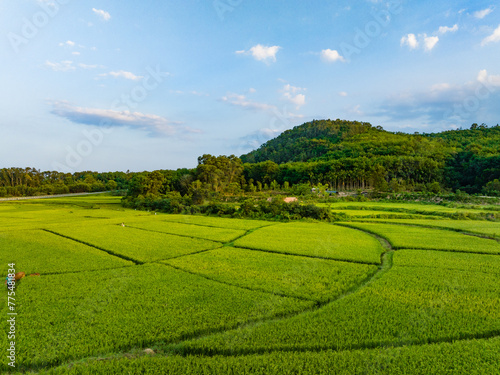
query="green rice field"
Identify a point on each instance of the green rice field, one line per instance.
(110, 290)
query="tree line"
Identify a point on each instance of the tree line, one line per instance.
(339, 155)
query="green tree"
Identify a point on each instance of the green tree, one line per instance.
(492, 188)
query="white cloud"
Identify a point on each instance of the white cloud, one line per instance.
(299, 100)
(291, 93)
(430, 42)
(102, 14)
(330, 55)
(242, 101)
(343, 94)
(68, 43)
(493, 38)
(410, 40)
(123, 74)
(480, 14)
(292, 89)
(153, 124)
(76, 53)
(262, 53)
(63, 66)
(489, 80)
(445, 29)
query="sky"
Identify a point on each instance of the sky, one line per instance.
(110, 85)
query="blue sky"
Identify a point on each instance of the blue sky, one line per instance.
(113, 85)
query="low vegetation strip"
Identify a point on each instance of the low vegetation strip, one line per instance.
(36, 251)
(408, 306)
(140, 245)
(411, 237)
(309, 278)
(88, 314)
(315, 240)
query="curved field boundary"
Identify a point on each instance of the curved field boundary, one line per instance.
(240, 286)
(308, 256)
(384, 267)
(420, 248)
(428, 226)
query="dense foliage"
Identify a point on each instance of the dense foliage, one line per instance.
(352, 154)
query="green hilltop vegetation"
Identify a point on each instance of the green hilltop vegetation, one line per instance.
(351, 154)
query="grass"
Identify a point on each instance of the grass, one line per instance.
(135, 244)
(36, 251)
(407, 306)
(411, 237)
(217, 295)
(64, 317)
(315, 240)
(309, 278)
(487, 228)
(159, 224)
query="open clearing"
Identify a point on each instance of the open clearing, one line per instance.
(211, 295)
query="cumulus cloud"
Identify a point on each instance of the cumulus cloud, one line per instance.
(154, 125)
(123, 74)
(488, 80)
(493, 38)
(329, 55)
(430, 42)
(410, 40)
(63, 66)
(105, 16)
(292, 94)
(445, 29)
(480, 14)
(262, 53)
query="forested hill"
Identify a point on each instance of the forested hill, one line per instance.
(327, 140)
(310, 140)
(457, 159)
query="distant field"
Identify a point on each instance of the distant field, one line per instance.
(487, 228)
(400, 289)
